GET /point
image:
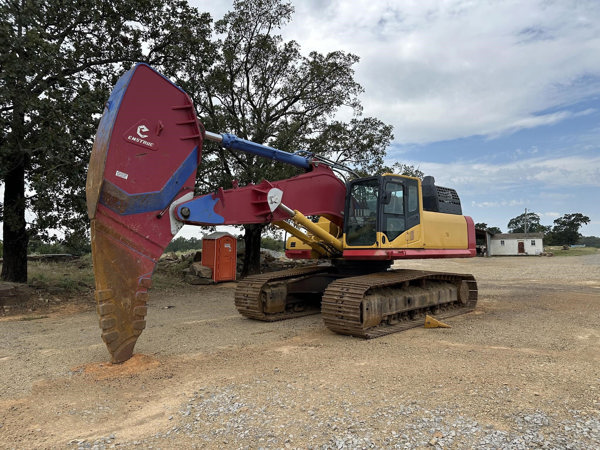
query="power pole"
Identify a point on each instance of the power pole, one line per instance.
(526, 221)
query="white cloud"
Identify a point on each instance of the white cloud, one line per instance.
(497, 204)
(551, 214)
(447, 69)
(444, 69)
(568, 171)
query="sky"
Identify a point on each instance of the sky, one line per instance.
(499, 100)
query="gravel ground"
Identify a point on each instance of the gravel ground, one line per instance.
(522, 371)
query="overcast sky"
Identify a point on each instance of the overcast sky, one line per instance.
(500, 100)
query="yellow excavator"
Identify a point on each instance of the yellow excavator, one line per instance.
(140, 192)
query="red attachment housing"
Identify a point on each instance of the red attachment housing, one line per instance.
(317, 192)
(145, 156)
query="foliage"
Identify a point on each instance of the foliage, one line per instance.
(568, 251)
(71, 246)
(58, 63)
(484, 226)
(566, 229)
(529, 221)
(359, 145)
(590, 241)
(272, 244)
(182, 244)
(398, 169)
(39, 247)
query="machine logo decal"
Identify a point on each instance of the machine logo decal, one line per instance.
(140, 135)
(142, 129)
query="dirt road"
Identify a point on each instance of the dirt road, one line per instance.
(523, 370)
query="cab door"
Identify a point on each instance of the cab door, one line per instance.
(399, 207)
(361, 216)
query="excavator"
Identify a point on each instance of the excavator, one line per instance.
(140, 192)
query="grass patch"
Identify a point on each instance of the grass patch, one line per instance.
(75, 278)
(62, 278)
(577, 251)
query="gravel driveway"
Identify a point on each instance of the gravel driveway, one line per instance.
(522, 371)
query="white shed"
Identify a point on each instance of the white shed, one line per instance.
(512, 244)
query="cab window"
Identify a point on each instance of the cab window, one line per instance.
(393, 211)
(362, 213)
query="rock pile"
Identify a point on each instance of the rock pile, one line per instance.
(189, 265)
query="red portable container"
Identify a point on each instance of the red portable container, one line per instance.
(219, 252)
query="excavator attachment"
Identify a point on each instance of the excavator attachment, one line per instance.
(143, 163)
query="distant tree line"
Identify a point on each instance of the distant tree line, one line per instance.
(272, 244)
(590, 241)
(565, 230)
(182, 244)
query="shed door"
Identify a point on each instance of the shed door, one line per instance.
(521, 247)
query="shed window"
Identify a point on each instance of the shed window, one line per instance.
(533, 242)
(501, 242)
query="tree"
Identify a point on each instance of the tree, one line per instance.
(566, 229)
(58, 63)
(589, 241)
(529, 221)
(182, 244)
(398, 169)
(272, 244)
(263, 89)
(484, 226)
(359, 144)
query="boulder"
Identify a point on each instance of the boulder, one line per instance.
(201, 271)
(198, 274)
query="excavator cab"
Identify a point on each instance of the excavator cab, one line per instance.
(380, 209)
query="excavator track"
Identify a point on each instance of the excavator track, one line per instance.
(250, 293)
(374, 305)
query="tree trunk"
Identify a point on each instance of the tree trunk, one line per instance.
(14, 267)
(252, 238)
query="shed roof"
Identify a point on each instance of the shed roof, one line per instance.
(518, 236)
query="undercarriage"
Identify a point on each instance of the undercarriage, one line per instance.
(364, 305)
